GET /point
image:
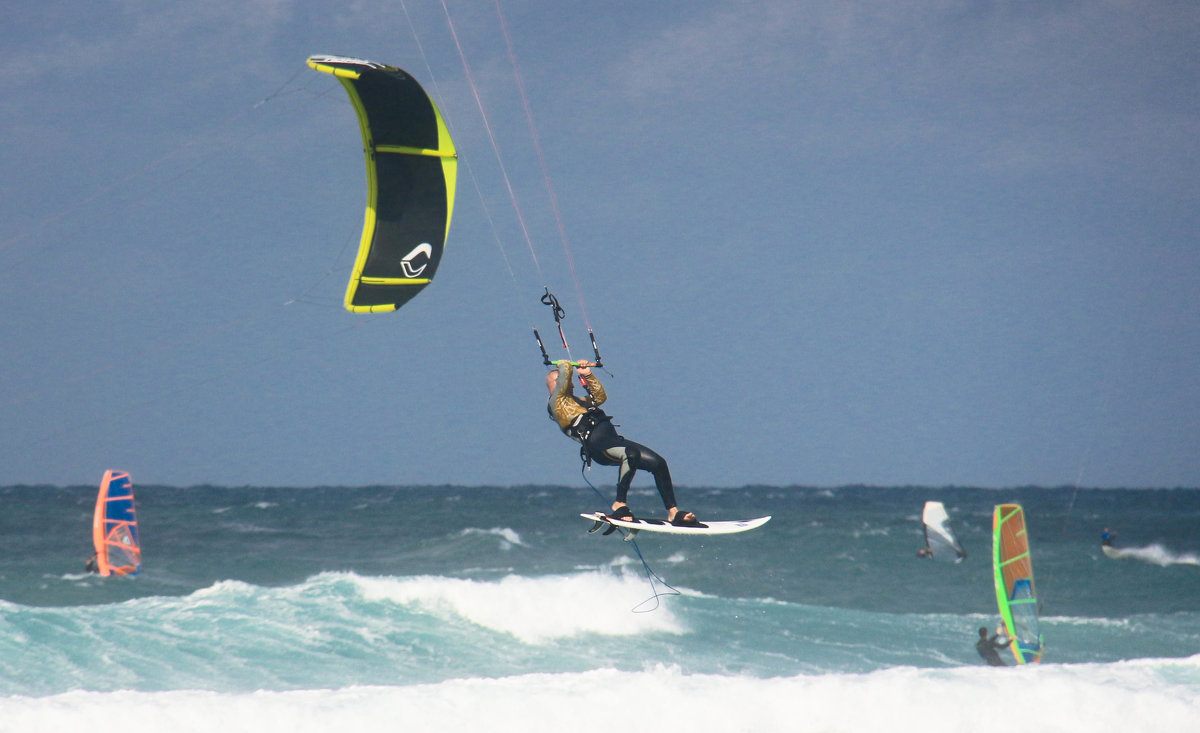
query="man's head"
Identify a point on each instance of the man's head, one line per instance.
(982, 632)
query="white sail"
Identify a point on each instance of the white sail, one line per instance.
(939, 538)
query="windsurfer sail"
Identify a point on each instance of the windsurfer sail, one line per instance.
(115, 528)
(940, 542)
(411, 172)
(1016, 594)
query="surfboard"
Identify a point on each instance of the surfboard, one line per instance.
(662, 525)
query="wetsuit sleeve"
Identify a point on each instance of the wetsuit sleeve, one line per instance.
(563, 388)
(595, 390)
(563, 406)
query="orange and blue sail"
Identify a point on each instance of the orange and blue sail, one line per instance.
(1016, 594)
(115, 527)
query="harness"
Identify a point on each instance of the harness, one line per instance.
(581, 428)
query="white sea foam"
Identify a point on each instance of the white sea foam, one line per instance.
(1134, 697)
(533, 609)
(1157, 555)
(509, 537)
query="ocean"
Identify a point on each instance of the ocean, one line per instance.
(446, 608)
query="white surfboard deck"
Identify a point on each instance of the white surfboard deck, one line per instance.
(662, 525)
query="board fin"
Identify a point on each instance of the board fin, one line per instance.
(601, 521)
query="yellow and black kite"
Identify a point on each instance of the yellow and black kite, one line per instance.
(411, 170)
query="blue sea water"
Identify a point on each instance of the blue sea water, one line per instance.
(444, 608)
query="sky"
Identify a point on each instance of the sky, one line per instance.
(819, 243)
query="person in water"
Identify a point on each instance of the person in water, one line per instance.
(91, 565)
(582, 420)
(987, 648)
(925, 553)
(1107, 537)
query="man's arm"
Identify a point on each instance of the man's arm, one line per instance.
(592, 384)
(563, 408)
(565, 370)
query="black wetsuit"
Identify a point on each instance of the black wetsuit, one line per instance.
(581, 419)
(987, 649)
(608, 448)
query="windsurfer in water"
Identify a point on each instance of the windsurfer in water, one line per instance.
(91, 565)
(987, 647)
(1107, 537)
(582, 420)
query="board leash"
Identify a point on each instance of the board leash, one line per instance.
(650, 574)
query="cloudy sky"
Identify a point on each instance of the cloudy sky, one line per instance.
(819, 242)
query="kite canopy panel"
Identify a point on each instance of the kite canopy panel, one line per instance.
(114, 527)
(1016, 594)
(411, 171)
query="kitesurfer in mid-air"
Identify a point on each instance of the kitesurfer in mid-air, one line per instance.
(582, 420)
(987, 647)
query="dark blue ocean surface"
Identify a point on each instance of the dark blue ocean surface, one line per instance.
(850, 547)
(287, 590)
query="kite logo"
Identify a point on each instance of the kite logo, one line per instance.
(423, 248)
